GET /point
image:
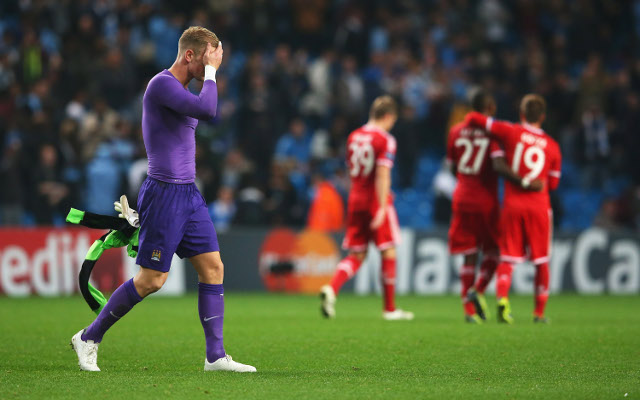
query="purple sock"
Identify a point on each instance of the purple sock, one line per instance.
(211, 310)
(120, 302)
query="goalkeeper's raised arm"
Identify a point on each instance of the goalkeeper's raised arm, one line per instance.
(170, 112)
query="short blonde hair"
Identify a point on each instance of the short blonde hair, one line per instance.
(382, 106)
(196, 38)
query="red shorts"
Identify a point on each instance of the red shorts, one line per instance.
(359, 233)
(471, 232)
(526, 234)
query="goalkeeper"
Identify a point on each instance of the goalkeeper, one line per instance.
(173, 214)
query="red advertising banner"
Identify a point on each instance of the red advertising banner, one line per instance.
(46, 261)
(297, 262)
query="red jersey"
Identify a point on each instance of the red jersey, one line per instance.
(470, 149)
(532, 154)
(367, 147)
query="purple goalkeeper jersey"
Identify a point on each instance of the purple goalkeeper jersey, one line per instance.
(170, 114)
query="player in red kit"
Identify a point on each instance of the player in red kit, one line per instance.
(534, 160)
(370, 213)
(474, 227)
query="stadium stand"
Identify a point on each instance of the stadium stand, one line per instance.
(72, 75)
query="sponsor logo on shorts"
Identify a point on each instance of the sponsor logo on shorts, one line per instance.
(155, 255)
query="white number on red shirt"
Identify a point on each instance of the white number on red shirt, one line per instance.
(533, 158)
(362, 158)
(464, 166)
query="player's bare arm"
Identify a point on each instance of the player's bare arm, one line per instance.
(383, 188)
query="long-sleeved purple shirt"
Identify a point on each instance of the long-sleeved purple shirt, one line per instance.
(170, 114)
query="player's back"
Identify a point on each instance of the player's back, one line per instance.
(470, 150)
(533, 155)
(367, 148)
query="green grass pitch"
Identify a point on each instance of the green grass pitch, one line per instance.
(590, 351)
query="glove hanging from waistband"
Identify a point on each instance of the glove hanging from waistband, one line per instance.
(121, 234)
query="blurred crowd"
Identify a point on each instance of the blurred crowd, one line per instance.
(297, 77)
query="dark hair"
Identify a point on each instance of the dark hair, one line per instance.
(382, 106)
(481, 100)
(533, 107)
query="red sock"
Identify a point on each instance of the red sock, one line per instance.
(467, 276)
(503, 282)
(389, 283)
(487, 269)
(347, 268)
(542, 288)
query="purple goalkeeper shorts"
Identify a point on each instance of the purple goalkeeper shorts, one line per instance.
(173, 219)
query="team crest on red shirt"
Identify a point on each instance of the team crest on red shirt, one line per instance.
(155, 255)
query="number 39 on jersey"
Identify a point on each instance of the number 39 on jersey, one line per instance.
(362, 157)
(368, 148)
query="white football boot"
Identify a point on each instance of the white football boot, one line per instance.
(87, 352)
(227, 364)
(397, 315)
(328, 297)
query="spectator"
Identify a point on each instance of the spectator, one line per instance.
(607, 218)
(406, 133)
(326, 213)
(317, 100)
(11, 168)
(104, 181)
(256, 126)
(251, 203)
(98, 126)
(116, 79)
(283, 204)
(76, 109)
(293, 154)
(223, 210)
(349, 91)
(236, 166)
(595, 142)
(444, 184)
(51, 191)
(293, 149)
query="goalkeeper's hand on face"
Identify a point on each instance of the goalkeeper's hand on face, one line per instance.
(127, 212)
